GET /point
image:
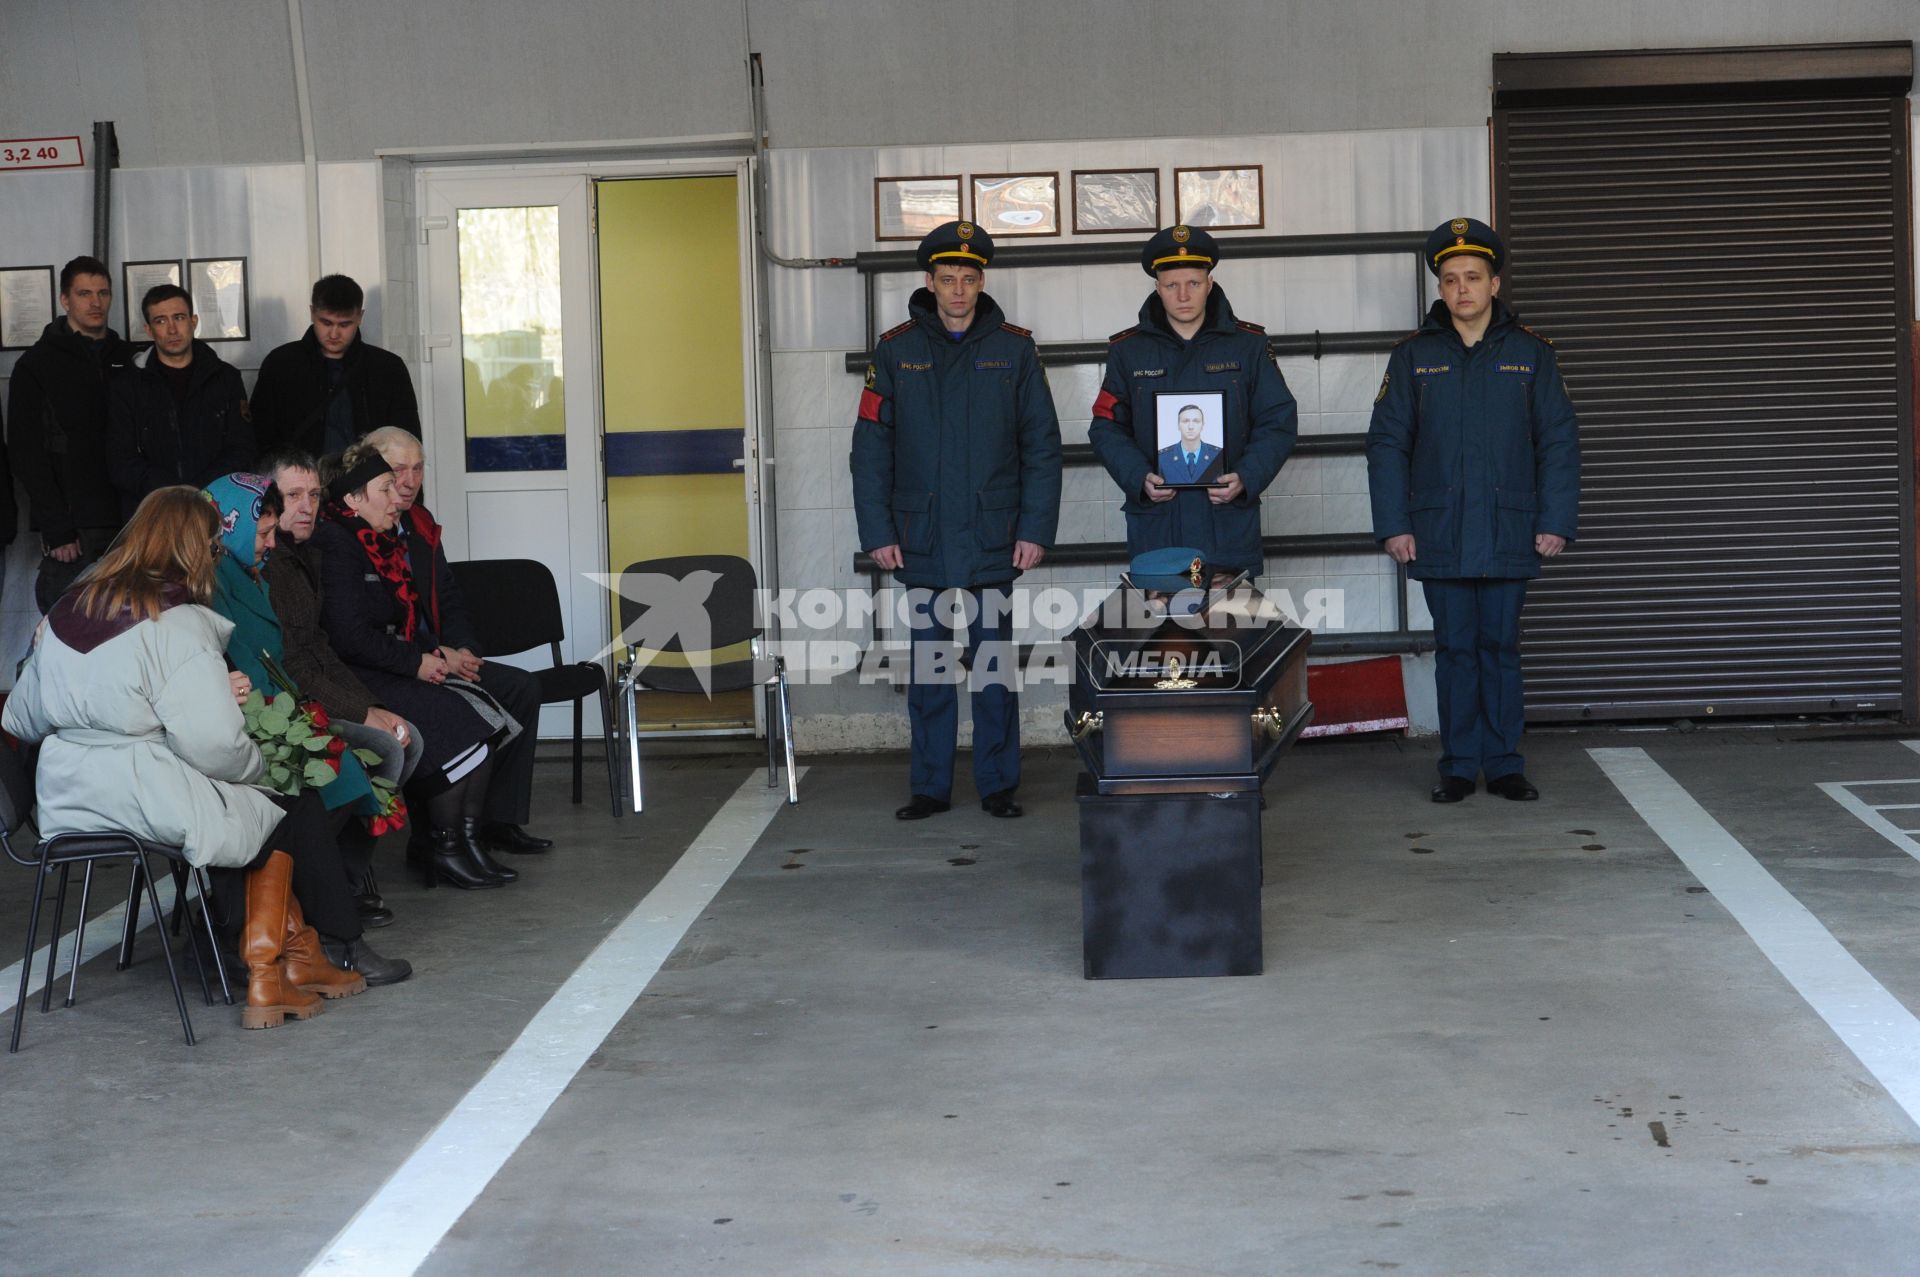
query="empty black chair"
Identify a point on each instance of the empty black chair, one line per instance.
(697, 605)
(64, 851)
(515, 607)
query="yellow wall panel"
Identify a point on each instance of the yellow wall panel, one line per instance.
(670, 304)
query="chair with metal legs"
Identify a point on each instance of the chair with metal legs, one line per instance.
(63, 852)
(697, 605)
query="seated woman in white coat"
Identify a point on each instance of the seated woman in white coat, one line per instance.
(138, 720)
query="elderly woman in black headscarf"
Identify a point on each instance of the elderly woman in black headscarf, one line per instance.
(374, 620)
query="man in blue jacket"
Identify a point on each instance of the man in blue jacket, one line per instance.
(1189, 459)
(1188, 340)
(1473, 459)
(956, 488)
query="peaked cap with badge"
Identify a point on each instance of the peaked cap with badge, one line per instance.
(1465, 235)
(1179, 247)
(961, 242)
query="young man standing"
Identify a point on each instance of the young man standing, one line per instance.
(956, 489)
(179, 415)
(1473, 459)
(1188, 340)
(57, 418)
(326, 390)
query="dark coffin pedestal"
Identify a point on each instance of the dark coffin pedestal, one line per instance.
(1179, 725)
(1169, 884)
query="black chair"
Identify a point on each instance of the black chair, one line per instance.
(723, 587)
(64, 851)
(515, 607)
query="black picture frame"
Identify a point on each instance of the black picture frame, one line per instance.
(11, 288)
(245, 285)
(135, 279)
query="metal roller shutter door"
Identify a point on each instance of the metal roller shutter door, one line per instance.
(1723, 282)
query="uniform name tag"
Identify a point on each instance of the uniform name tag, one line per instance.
(1149, 372)
(980, 365)
(1231, 365)
(1519, 370)
(1432, 370)
(907, 367)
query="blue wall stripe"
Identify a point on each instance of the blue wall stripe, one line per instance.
(637, 452)
(498, 453)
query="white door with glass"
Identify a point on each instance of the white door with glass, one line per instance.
(511, 379)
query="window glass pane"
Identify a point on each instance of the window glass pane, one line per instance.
(510, 338)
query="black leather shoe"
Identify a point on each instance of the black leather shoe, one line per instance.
(1002, 805)
(357, 955)
(921, 807)
(1452, 789)
(446, 861)
(372, 909)
(475, 851)
(1515, 787)
(504, 837)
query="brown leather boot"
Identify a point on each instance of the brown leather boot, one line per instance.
(271, 997)
(305, 962)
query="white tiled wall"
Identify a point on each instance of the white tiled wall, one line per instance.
(1315, 184)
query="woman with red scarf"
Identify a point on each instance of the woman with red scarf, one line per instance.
(375, 621)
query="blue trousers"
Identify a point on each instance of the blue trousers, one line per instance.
(1476, 628)
(933, 701)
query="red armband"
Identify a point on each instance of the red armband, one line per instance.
(1103, 406)
(870, 403)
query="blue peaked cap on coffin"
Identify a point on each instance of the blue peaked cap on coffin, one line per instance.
(1172, 569)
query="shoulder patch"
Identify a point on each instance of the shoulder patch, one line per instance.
(1248, 326)
(1016, 329)
(895, 331)
(1123, 334)
(1529, 332)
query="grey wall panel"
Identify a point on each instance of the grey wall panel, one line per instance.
(186, 82)
(496, 72)
(898, 72)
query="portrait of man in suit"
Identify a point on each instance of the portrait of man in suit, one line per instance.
(1190, 437)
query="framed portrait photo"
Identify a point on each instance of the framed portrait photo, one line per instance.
(136, 278)
(1116, 201)
(1013, 204)
(1190, 427)
(909, 207)
(1220, 198)
(218, 286)
(26, 304)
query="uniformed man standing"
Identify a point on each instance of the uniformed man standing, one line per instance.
(1188, 340)
(1473, 459)
(956, 488)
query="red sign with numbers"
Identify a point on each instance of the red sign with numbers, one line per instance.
(41, 152)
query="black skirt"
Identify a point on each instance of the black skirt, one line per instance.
(450, 729)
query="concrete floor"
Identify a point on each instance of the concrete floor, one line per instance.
(874, 1052)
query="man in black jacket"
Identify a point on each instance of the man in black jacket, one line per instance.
(179, 415)
(58, 411)
(326, 390)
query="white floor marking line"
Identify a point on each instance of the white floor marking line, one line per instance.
(1872, 1023)
(103, 933)
(401, 1224)
(1868, 815)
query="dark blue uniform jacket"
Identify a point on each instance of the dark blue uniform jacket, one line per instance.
(956, 449)
(1473, 451)
(1261, 422)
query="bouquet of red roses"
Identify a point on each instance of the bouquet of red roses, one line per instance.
(300, 752)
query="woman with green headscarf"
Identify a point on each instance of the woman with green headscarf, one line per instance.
(249, 509)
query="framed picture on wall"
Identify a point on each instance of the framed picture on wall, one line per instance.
(909, 207)
(1220, 198)
(136, 278)
(218, 286)
(26, 304)
(1116, 201)
(1011, 204)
